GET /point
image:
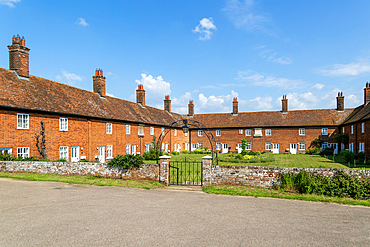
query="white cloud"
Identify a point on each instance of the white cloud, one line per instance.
(204, 28)
(258, 103)
(214, 103)
(273, 57)
(302, 101)
(352, 101)
(82, 22)
(111, 95)
(252, 77)
(70, 78)
(180, 104)
(351, 69)
(242, 15)
(9, 3)
(111, 75)
(156, 89)
(282, 60)
(318, 86)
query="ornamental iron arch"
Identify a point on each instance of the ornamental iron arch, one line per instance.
(186, 125)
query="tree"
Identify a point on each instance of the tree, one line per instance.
(41, 147)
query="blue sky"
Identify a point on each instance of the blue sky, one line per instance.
(205, 50)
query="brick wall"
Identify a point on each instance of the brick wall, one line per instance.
(87, 134)
(145, 171)
(357, 136)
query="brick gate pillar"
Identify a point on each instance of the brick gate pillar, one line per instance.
(207, 170)
(164, 169)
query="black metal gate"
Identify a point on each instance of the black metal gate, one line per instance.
(186, 173)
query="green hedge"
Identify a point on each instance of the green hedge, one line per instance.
(340, 185)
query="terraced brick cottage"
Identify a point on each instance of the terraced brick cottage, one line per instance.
(79, 124)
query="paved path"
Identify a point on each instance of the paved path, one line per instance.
(57, 214)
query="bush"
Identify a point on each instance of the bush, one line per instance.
(61, 160)
(185, 152)
(126, 161)
(151, 155)
(198, 151)
(340, 185)
(175, 153)
(327, 151)
(315, 151)
(348, 156)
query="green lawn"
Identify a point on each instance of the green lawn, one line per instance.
(281, 160)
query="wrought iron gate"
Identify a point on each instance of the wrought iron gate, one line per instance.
(186, 173)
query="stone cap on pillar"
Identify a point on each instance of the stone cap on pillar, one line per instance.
(165, 157)
(207, 157)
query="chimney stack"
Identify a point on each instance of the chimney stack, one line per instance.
(367, 93)
(99, 82)
(167, 103)
(235, 106)
(191, 108)
(284, 104)
(19, 56)
(340, 101)
(140, 95)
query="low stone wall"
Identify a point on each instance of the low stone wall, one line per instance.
(262, 176)
(145, 171)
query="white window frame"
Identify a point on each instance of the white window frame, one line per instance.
(268, 146)
(363, 128)
(151, 131)
(128, 129)
(23, 121)
(23, 152)
(109, 151)
(128, 149)
(218, 132)
(361, 147)
(324, 145)
(63, 152)
(200, 132)
(147, 147)
(302, 146)
(352, 129)
(175, 132)
(200, 144)
(267, 132)
(342, 130)
(186, 134)
(162, 130)
(218, 146)
(63, 124)
(324, 131)
(249, 146)
(240, 131)
(302, 131)
(109, 128)
(248, 132)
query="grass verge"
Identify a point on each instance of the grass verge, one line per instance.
(262, 192)
(90, 180)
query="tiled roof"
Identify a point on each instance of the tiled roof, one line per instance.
(360, 113)
(50, 96)
(302, 118)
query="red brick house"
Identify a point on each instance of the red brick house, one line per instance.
(80, 124)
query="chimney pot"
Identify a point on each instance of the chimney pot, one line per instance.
(284, 104)
(167, 103)
(140, 95)
(19, 56)
(99, 82)
(191, 108)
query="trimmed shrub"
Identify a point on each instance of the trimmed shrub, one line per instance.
(126, 161)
